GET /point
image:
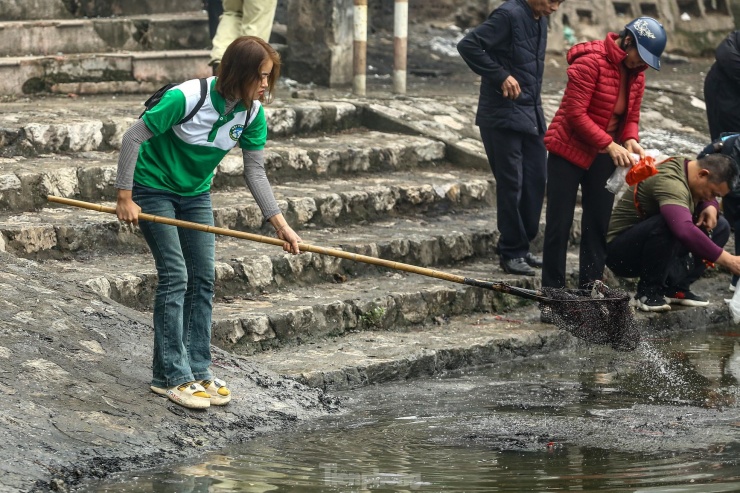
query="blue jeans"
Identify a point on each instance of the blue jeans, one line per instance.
(185, 261)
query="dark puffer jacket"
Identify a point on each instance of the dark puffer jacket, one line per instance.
(578, 130)
(722, 88)
(510, 42)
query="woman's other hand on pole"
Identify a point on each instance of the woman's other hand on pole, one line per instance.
(291, 239)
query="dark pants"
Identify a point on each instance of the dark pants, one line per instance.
(563, 180)
(649, 250)
(214, 8)
(518, 163)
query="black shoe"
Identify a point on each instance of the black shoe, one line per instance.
(685, 297)
(651, 303)
(517, 266)
(533, 260)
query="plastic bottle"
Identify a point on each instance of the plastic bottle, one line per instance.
(734, 305)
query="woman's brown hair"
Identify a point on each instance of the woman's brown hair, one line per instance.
(239, 69)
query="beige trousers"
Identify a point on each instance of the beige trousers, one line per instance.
(242, 18)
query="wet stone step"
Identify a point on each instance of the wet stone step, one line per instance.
(62, 9)
(362, 198)
(394, 301)
(367, 357)
(352, 152)
(97, 123)
(58, 230)
(246, 267)
(25, 182)
(181, 31)
(39, 73)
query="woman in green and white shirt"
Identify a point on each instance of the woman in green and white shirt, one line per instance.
(165, 168)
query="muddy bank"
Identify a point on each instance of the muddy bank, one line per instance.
(75, 373)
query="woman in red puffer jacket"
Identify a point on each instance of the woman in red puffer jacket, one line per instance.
(594, 130)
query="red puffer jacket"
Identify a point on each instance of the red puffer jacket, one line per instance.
(578, 130)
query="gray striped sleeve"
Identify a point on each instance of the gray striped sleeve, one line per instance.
(256, 178)
(132, 139)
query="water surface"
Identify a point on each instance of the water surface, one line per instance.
(660, 419)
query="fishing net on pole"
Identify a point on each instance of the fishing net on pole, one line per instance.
(600, 315)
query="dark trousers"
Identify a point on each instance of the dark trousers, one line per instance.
(731, 207)
(214, 8)
(649, 250)
(563, 180)
(518, 163)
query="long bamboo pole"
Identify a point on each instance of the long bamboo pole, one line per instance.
(356, 257)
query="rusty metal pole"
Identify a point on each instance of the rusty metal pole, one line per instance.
(359, 55)
(400, 45)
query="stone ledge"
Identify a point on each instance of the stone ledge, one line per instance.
(246, 268)
(374, 357)
(78, 126)
(57, 231)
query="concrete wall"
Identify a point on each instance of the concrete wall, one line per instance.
(320, 41)
(708, 20)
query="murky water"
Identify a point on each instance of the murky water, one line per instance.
(660, 419)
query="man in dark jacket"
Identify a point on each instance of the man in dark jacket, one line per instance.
(722, 97)
(722, 88)
(729, 144)
(508, 52)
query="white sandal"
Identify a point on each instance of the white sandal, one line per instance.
(190, 394)
(220, 394)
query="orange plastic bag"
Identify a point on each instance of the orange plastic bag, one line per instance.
(645, 168)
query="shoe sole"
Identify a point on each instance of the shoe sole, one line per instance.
(190, 405)
(532, 273)
(158, 390)
(655, 309)
(219, 400)
(200, 403)
(685, 302)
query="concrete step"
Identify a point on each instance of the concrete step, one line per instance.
(97, 123)
(390, 173)
(27, 10)
(244, 267)
(393, 301)
(347, 153)
(37, 74)
(328, 201)
(106, 72)
(371, 357)
(180, 31)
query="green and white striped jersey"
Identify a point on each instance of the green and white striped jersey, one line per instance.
(182, 158)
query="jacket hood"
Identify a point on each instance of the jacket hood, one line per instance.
(606, 48)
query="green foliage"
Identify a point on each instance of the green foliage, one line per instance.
(372, 319)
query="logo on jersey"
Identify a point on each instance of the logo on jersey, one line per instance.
(235, 132)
